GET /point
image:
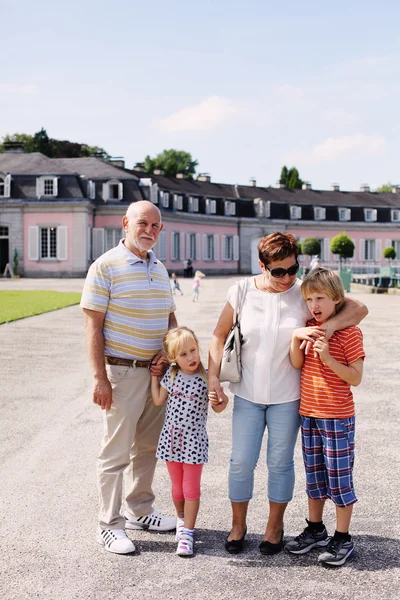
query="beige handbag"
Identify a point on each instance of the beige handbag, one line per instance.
(231, 365)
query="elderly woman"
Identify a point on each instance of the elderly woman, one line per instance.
(268, 394)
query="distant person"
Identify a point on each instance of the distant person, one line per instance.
(315, 262)
(190, 268)
(183, 441)
(327, 418)
(176, 287)
(128, 308)
(196, 285)
(186, 268)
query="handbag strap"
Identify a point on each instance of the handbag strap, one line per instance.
(240, 297)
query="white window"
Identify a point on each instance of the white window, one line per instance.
(370, 250)
(395, 215)
(370, 214)
(113, 190)
(211, 206)
(112, 237)
(47, 242)
(344, 214)
(160, 249)
(154, 193)
(295, 212)
(178, 202)
(229, 208)
(396, 246)
(47, 186)
(192, 246)
(319, 213)
(91, 189)
(209, 249)
(227, 247)
(193, 204)
(175, 245)
(164, 199)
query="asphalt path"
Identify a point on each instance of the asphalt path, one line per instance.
(50, 435)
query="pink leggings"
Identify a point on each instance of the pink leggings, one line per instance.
(185, 480)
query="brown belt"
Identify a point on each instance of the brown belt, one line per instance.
(126, 362)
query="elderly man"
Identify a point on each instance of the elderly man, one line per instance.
(128, 309)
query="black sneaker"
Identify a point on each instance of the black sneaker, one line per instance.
(336, 553)
(307, 540)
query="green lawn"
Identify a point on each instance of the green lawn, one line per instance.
(18, 305)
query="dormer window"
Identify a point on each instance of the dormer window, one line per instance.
(47, 186)
(370, 214)
(154, 193)
(113, 190)
(178, 202)
(211, 206)
(395, 215)
(344, 214)
(295, 212)
(193, 204)
(319, 213)
(229, 208)
(164, 196)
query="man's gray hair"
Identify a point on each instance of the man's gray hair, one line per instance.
(134, 208)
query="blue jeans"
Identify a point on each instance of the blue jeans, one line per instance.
(249, 422)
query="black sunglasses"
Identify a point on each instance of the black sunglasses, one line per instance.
(279, 273)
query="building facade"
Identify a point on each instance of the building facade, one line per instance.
(61, 214)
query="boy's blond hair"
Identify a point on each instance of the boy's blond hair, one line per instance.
(173, 343)
(320, 279)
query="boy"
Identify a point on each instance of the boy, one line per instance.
(327, 417)
(176, 287)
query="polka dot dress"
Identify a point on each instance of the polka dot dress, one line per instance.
(184, 435)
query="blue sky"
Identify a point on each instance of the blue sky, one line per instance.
(244, 86)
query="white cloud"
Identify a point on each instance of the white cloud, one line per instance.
(335, 148)
(11, 88)
(205, 116)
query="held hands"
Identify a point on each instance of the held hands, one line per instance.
(218, 401)
(159, 365)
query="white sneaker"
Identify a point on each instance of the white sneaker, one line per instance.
(115, 540)
(155, 521)
(185, 545)
(180, 523)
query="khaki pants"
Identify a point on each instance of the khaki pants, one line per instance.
(131, 431)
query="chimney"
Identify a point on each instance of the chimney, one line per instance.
(98, 154)
(280, 186)
(118, 161)
(335, 187)
(181, 176)
(204, 177)
(306, 186)
(139, 167)
(364, 187)
(13, 148)
(253, 182)
(396, 189)
(159, 172)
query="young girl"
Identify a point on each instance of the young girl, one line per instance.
(196, 285)
(183, 440)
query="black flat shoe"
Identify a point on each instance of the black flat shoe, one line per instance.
(235, 546)
(267, 548)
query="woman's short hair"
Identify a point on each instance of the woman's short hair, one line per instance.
(277, 246)
(324, 280)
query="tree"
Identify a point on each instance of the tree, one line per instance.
(311, 247)
(343, 246)
(40, 142)
(389, 253)
(385, 188)
(172, 162)
(290, 178)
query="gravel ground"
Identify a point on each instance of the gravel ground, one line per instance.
(49, 441)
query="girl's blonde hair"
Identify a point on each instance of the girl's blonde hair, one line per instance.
(320, 279)
(173, 343)
(199, 274)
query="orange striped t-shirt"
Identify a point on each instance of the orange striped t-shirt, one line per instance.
(323, 394)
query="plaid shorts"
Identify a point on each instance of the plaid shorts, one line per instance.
(328, 453)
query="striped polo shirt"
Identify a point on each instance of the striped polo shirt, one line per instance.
(135, 296)
(323, 394)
